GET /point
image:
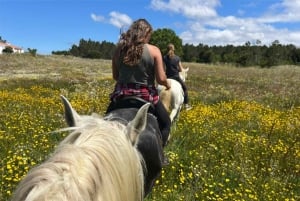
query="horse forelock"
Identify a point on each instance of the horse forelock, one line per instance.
(94, 162)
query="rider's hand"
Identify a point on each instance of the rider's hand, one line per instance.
(168, 86)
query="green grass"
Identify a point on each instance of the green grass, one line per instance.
(239, 142)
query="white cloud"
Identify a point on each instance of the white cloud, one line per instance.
(190, 8)
(239, 34)
(204, 25)
(233, 31)
(119, 20)
(97, 18)
(286, 11)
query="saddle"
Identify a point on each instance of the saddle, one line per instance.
(131, 102)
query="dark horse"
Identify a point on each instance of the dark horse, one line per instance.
(150, 140)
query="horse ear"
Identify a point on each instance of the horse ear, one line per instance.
(71, 116)
(138, 124)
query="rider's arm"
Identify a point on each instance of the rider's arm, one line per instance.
(160, 75)
(115, 61)
(180, 67)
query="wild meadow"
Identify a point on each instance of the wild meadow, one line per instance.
(241, 140)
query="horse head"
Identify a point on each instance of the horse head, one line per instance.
(183, 73)
(142, 130)
(98, 161)
(134, 127)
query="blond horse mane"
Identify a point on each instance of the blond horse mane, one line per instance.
(172, 99)
(98, 161)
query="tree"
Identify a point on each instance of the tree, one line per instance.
(63, 52)
(275, 42)
(32, 52)
(190, 53)
(75, 51)
(162, 37)
(107, 49)
(93, 49)
(8, 50)
(295, 56)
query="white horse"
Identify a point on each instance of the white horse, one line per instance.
(98, 161)
(173, 99)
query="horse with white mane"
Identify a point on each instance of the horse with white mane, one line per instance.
(173, 99)
(99, 160)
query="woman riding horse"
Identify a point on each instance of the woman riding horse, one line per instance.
(173, 67)
(135, 66)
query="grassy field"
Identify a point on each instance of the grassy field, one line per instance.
(241, 140)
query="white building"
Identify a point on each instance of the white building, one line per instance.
(15, 49)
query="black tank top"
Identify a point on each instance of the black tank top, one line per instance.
(172, 65)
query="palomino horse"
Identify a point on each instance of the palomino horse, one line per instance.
(98, 161)
(173, 99)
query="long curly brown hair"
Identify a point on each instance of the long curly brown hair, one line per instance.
(133, 40)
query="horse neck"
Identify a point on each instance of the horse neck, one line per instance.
(96, 163)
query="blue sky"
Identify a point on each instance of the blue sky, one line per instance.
(51, 25)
